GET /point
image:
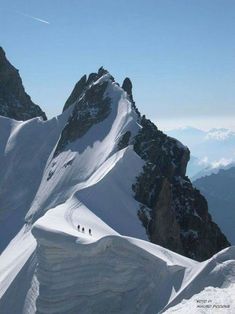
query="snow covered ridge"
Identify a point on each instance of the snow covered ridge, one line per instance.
(118, 274)
(104, 272)
(82, 194)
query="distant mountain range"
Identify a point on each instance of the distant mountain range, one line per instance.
(219, 190)
(210, 150)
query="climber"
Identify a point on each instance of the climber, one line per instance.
(79, 227)
(89, 231)
(83, 229)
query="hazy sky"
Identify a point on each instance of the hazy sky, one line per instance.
(180, 55)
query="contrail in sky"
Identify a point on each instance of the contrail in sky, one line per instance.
(33, 17)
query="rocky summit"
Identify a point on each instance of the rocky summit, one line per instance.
(15, 103)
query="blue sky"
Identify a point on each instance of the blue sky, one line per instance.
(180, 55)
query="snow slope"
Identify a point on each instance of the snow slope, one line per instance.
(108, 273)
(24, 150)
(114, 272)
(84, 156)
(208, 301)
(27, 156)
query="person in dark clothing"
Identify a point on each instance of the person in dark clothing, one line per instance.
(83, 229)
(78, 227)
(89, 231)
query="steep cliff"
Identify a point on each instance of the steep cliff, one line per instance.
(15, 103)
(174, 213)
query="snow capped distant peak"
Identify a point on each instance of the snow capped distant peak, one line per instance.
(219, 134)
(187, 129)
(223, 162)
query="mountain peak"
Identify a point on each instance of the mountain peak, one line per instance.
(102, 71)
(77, 91)
(2, 53)
(15, 103)
(127, 86)
(83, 84)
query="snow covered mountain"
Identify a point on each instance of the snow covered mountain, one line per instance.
(211, 150)
(81, 197)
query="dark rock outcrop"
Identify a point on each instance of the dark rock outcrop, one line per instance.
(91, 106)
(173, 212)
(125, 140)
(127, 87)
(15, 103)
(82, 85)
(76, 93)
(165, 228)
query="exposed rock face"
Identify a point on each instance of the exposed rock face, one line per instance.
(125, 140)
(91, 106)
(127, 87)
(76, 93)
(165, 228)
(15, 103)
(82, 85)
(173, 212)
